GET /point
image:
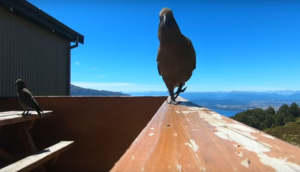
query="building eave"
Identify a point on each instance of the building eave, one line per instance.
(31, 13)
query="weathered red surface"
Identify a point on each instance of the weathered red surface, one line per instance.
(191, 138)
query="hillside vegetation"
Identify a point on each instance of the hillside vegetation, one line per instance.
(79, 91)
(283, 124)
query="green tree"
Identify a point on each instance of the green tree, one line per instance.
(252, 117)
(270, 111)
(284, 110)
(268, 122)
(289, 118)
(294, 110)
(279, 119)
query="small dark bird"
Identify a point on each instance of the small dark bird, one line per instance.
(176, 57)
(26, 99)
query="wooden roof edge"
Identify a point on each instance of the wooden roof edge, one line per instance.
(188, 137)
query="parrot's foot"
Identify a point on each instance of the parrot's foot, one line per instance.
(173, 102)
(183, 89)
(25, 113)
(180, 90)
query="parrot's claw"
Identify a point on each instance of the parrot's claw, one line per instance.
(179, 91)
(182, 90)
(26, 113)
(173, 102)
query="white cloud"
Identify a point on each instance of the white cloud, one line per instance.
(77, 63)
(124, 87)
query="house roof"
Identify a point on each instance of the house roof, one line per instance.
(33, 14)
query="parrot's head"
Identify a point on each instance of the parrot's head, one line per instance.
(166, 19)
(20, 84)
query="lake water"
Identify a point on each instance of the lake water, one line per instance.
(227, 113)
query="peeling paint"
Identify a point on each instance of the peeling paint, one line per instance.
(221, 125)
(241, 134)
(236, 122)
(178, 167)
(187, 119)
(217, 115)
(245, 163)
(177, 111)
(152, 128)
(192, 109)
(143, 169)
(197, 157)
(188, 144)
(202, 168)
(247, 134)
(240, 154)
(196, 108)
(242, 128)
(132, 157)
(236, 145)
(279, 164)
(266, 144)
(185, 112)
(192, 145)
(175, 134)
(222, 135)
(268, 136)
(151, 134)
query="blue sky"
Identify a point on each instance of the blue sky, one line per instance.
(244, 46)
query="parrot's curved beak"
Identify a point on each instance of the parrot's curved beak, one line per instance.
(165, 22)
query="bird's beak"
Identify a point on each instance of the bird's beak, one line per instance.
(165, 22)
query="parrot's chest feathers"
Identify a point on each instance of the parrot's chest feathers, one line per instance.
(175, 58)
(20, 95)
(173, 52)
(22, 98)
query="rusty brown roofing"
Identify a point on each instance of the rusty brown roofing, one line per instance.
(193, 138)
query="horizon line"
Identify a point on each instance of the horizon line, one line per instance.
(211, 91)
(138, 88)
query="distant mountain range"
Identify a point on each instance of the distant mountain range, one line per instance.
(235, 95)
(234, 100)
(79, 91)
(230, 101)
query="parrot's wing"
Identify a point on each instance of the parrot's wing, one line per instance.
(29, 99)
